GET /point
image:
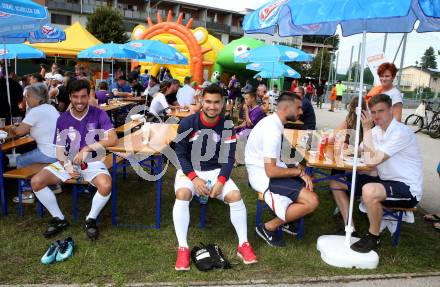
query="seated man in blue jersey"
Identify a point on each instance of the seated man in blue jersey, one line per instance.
(206, 156)
(121, 88)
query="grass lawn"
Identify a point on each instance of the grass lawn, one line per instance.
(124, 255)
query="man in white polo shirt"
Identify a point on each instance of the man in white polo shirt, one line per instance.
(392, 148)
(287, 191)
(185, 95)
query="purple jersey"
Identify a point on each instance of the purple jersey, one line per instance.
(73, 134)
(102, 96)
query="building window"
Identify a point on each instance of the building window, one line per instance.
(61, 19)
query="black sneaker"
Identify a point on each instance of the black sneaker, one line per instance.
(366, 244)
(56, 225)
(289, 228)
(91, 229)
(269, 236)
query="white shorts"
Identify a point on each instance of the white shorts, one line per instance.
(93, 169)
(259, 181)
(182, 181)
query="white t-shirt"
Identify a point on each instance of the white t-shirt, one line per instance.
(395, 95)
(265, 141)
(159, 104)
(152, 90)
(43, 121)
(405, 163)
(185, 95)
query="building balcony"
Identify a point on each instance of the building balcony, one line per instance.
(222, 28)
(237, 30)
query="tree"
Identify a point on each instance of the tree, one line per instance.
(333, 40)
(106, 25)
(368, 76)
(428, 59)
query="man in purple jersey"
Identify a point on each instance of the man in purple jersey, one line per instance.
(82, 134)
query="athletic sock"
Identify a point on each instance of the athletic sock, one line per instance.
(239, 220)
(181, 221)
(98, 203)
(48, 199)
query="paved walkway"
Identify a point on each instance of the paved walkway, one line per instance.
(430, 152)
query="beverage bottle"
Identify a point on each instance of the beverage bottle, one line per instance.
(203, 199)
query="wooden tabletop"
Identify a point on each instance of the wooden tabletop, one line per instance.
(14, 143)
(160, 136)
(128, 126)
(180, 114)
(332, 159)
(114, 106)
(133, 99)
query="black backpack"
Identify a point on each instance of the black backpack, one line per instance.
(207, 257)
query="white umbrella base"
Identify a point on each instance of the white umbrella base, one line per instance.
(335, 253)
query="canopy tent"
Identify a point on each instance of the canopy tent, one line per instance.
(77, 39)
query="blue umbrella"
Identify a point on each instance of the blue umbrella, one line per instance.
(157, 51)
(273, 53)
(273, 70)
(20, 51)
(295, 17)
(108, 51)
(21, 16)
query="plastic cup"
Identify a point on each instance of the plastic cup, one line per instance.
(16, 121)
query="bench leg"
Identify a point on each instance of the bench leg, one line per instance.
(20, 199)
(40, 209)
(300, 228)
(2, 187)
(258, 214)
(124, 169)
(396, 235)
(202, 215)
(158, 190)
(114, 170)
(75, 203)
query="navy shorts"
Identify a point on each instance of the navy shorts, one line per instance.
(398, 193)
(289, 187)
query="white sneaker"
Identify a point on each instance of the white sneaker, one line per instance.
(27, 197)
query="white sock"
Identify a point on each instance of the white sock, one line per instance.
(181, 221)
(98, 204)
(48, 199)
(239, 220)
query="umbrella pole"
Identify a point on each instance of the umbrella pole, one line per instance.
(113, 76)
(15, 66)
(102, 68)
(7, 83)
(349, 227)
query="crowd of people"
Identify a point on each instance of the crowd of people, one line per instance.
(60, 111)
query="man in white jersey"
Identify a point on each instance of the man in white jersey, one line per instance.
(287, 191)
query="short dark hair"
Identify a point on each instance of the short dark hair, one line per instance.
(175, 81)
(145, 71)
(78, 85)
(212, 89)
(38, 76)
(103, 86)
(251, 93)
(381, 98)
(288, 96)
(122, 78)
(275, 85)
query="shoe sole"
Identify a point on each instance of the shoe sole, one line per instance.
(289, 232)
(245, 261)
(264, 238)
(182, 268)
(56, 233)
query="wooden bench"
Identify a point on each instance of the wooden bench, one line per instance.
(26, 173)
(397, 214)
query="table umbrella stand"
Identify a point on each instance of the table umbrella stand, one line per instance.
(335, 249)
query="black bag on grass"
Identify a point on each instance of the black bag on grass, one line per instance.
(207, 257)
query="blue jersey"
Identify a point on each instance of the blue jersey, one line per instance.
(207, 146)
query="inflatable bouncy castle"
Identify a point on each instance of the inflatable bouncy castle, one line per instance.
(197, 45)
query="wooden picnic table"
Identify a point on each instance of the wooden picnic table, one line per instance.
(128, 126)
(17, 142)
(161, 136)
(114, 106)
(179, 113)
(331, 159)
(134, 99)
